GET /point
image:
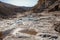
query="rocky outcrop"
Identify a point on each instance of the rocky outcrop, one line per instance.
(57, 27)
(37, 8)
(42, 5)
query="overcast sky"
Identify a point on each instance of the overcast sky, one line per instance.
(21, 2)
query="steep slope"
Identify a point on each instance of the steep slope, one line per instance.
(43, 4)
(38, 6)
(8, 10)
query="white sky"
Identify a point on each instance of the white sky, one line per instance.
(21, 2)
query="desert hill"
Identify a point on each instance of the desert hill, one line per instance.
(7, 10)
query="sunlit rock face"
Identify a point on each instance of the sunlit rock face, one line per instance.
(37, 8)
(42, 5)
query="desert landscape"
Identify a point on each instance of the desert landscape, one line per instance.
(41, 22)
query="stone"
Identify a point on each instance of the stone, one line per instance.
(57, 27)
(55, 37)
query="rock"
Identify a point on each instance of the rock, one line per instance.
(55, 37)
(22, 37)
(45, 35)
(57, 27)
(42, 5)
(39, 6)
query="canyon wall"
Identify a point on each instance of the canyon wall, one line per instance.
(42, 5)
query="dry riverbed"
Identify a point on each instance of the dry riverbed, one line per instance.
(31, 27)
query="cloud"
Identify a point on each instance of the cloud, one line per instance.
(22, 2)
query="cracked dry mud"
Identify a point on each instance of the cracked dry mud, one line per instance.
(31, 27)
